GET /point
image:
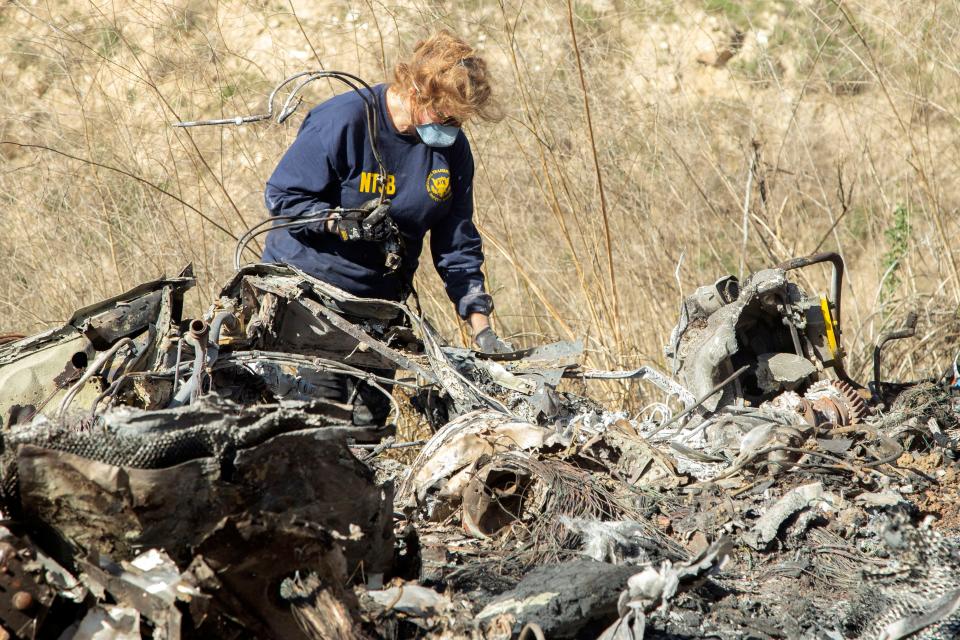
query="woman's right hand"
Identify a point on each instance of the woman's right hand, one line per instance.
(372, 223)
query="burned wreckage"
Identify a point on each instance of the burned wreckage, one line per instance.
(170, 477)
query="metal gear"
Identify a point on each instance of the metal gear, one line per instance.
(856, 406)
(829, 404)
(838, 401)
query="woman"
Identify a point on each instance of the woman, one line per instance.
(429, 183)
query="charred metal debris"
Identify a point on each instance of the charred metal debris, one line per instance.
(228, 476)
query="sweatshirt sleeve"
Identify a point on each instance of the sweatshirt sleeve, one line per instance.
(456, 246)
(306, 178)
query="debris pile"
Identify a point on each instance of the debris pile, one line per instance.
(230, 476)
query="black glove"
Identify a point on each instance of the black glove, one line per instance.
(487, 341)
(372, 223)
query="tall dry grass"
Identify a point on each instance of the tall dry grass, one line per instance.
(631, 167)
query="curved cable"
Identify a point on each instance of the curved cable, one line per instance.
(352, 81)
(322, 215)
(287, 109)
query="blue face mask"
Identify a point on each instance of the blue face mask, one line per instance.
(437, 135)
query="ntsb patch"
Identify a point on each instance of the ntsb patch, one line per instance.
(438, 185)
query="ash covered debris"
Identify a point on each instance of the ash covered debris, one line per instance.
(227, 476)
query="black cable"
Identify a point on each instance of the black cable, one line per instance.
(371, 113)
(321, 215)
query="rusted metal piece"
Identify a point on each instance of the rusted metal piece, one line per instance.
(833, 411)
(22, 600)
(25, 598)
(856, 405)
(836, 402)
(124, 320)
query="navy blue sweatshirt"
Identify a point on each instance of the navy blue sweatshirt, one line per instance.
(330, 164)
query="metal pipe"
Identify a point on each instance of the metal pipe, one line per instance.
(837, 281)
(111, 391)
(185, 393)
(198, 329)
(204, 338)
(196, 337)
(176, 366)
(200, 332)
(213, 340)
(909, 330)
(217, 323)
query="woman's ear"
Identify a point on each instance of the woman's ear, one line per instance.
(412, 102)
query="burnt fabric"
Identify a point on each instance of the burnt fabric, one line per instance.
(331, 164)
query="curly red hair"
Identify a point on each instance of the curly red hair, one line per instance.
(448, 78)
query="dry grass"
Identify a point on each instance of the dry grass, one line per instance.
(851, 108)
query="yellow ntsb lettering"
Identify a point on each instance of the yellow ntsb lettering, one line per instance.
(368, 183)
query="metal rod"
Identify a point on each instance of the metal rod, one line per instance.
(394, 445)
(909, 330)
(836, 283)
(736, 374)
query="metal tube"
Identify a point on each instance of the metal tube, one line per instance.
(213, 339)
(199, 331)
(204, 338)
(837, 280)
(217, 323)
(186, 391)
(198, 340)
(176, 365)
(909, 330)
